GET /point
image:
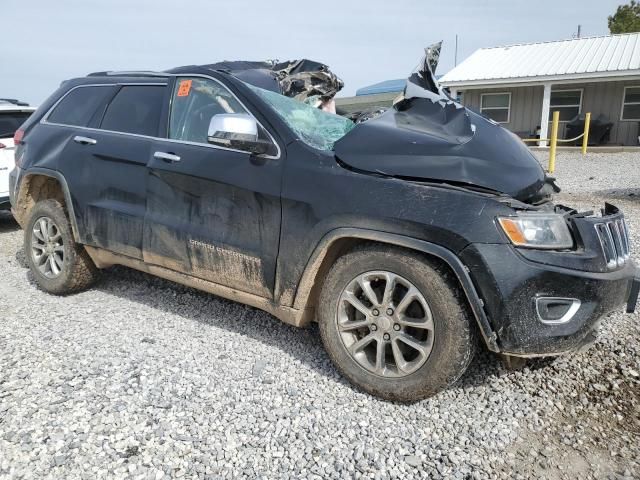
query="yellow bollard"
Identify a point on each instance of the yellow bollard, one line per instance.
(585, 139)
(554, 141)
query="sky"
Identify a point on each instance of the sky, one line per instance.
(44, 42)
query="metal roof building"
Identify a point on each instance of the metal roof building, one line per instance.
(381, 94)
(521, 85)
(582, 58)
(388, 86)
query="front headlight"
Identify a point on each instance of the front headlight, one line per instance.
(537, 230)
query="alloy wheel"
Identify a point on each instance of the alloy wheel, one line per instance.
(47, 248)
(385, 323)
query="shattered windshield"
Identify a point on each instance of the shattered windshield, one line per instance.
(316, 128)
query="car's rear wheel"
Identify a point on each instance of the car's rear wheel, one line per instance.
(395, 324)
(59, 265)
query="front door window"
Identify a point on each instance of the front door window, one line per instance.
(195, 101)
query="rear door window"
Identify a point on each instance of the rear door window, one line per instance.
(11, 121)
(78, 107)
(135, 109)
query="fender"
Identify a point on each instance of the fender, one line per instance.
(307, 281)
(47, 172)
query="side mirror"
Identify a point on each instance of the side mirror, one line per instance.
(238, 131)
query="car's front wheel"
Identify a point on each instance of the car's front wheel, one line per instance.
(59, 265)
(395, 324)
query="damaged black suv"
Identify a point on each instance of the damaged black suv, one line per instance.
(407, 237)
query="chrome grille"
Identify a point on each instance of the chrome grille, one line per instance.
(614, 238)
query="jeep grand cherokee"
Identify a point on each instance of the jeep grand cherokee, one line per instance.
(406, 236)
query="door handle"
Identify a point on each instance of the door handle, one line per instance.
(84, 140)
(167, 157)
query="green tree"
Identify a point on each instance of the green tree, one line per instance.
(626, 19)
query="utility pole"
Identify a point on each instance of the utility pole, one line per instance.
(577, 35)
(455, 59)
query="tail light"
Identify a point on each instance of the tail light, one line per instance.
(17, 140)
(18, 136)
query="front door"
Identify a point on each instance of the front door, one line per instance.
(212, 212)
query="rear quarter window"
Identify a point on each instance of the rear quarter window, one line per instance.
(135, 109)
(78, 107)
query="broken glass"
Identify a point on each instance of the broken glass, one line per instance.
(316, 128)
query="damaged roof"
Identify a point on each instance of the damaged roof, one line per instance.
(588, 57)
(299, 79)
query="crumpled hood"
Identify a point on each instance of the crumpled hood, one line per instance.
(434, 138)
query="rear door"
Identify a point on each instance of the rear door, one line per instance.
(105, 166)
(212, 212)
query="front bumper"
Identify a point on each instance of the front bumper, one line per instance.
(511, 285)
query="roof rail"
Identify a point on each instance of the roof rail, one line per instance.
(132, 73)
(14, 102)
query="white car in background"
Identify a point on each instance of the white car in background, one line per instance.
(12, 114)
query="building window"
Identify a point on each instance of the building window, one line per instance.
(567, 102)
(496, 106)
(631, 104)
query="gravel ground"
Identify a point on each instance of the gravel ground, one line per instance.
(142, 378)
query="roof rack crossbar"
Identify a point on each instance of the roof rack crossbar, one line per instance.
(123, 73)
(14, 102)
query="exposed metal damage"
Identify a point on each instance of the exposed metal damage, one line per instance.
(305, 80)
(425, 136)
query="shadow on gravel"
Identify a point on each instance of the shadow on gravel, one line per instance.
(8, 223)
(487, 365)
(160, 294)
(303, 344)
(22, 260)
(631, 194)
(483, 366)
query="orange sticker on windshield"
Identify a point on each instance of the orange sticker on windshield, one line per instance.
(184, 88)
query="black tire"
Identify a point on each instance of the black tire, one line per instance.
(454, 333)
(78, 271)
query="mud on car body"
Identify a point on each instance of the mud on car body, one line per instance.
(406, 237)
